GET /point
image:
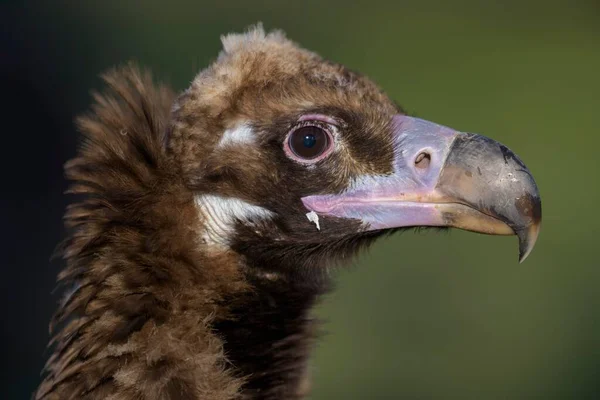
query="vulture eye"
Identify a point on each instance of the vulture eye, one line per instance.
(309, 143)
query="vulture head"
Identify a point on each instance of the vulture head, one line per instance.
(209, 221)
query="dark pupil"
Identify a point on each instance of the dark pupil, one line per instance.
(308, 142)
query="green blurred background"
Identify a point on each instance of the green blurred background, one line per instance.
(421, 316)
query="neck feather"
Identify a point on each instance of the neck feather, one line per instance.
(148, 313)
(268, 336)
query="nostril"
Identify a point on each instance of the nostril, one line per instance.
(422, 161)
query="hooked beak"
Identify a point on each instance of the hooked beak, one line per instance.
(444, 178)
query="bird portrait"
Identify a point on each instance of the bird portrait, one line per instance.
(205, 225)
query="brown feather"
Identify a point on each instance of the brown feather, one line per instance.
(155, 310)
(136, 325)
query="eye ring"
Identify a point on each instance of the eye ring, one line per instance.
(309, 142)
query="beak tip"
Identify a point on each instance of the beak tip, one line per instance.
(523, 254)
(527, 239)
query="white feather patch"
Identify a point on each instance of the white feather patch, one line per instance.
(221, 213)
(313, 217)
(241, 134)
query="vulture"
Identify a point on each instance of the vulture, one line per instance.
(207, 223)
